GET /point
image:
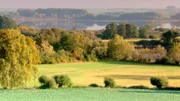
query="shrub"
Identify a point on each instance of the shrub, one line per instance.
(109, 82)
(165, 60)
(151, 55)
(43, 79)
(46, 82)
(159, 82)
(63, 56)
(93, 85)
(47, 60)
(43, 86)
(50, 84)
(63, 80)
(91, 57)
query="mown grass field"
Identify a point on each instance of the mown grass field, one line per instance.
(132, 40)
(124, 73)
(89, 94)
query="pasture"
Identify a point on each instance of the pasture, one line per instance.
(124, 73)
(89, 94)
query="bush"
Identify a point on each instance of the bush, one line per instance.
(63, 56)
(165, 60)
(159, 82)
(63, 80)
(50, 84)
(47, 60)
(43, 79)
(91, 57)
(45, 86)
(46, 82)
(151, 55)
(93, 85)
(109, 82)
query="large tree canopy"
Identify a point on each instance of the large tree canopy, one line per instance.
(168, 38)
(17, 56)
(174, 52)
(111, 30)
(124, 29)
(120, 49)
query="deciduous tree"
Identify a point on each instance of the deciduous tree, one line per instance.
(174, 52)
(111, 30)
(120, 49)
(168, 37)
(18, 55)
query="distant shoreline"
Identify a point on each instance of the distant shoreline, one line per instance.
(71, 19)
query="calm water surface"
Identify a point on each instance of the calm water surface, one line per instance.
(92, 25)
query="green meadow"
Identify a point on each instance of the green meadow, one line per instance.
(89, 94)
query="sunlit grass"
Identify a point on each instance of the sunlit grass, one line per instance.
(124, 73)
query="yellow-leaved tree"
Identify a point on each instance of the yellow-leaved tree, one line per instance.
(120, 49)
(174, 53)
(18, 54)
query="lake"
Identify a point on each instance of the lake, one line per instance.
(91, 24)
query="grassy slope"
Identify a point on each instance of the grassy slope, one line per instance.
(89, 94)
(124, 73)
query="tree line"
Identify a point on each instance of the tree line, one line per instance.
(131, 31)
(22, 47)
(52, 13)
(83, 14)
(124, 16)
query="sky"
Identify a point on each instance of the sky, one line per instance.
(88, 3)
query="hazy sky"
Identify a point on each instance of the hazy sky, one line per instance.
(88, 3)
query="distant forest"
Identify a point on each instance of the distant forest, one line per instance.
(176, 16)
(82, 14)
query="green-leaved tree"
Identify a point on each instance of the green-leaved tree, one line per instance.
(111, 30)
(168, 38)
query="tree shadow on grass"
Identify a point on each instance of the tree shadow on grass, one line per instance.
(120, 62)
(137, 77)
(151, 91)
(135, 63)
